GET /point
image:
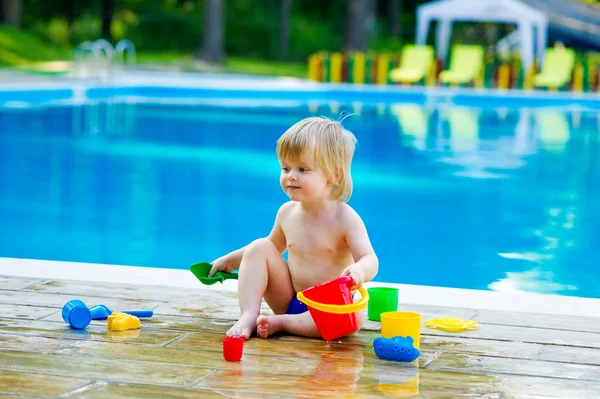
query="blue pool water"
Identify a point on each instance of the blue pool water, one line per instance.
(482, 198)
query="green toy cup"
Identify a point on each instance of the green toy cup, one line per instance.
(382, 299)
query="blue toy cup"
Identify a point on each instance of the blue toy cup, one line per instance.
(76, 314)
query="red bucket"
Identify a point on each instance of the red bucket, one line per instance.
(334, 292)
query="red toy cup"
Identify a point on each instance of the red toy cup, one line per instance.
(233, 348)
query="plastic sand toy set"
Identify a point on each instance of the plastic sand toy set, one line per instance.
(76, 314)
(333, 310)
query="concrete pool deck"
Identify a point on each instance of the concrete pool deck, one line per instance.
(177, 353)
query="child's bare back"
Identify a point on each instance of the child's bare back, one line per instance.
(324, 237)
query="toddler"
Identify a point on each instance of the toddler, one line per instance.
(324, 237)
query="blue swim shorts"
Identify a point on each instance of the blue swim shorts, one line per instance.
(296, 307)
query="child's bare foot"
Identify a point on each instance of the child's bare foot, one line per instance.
(243, 327)
(268, 325)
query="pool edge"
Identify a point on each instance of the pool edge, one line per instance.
(408, 295)
(234, 86)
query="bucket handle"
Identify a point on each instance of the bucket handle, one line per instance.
(337, 309)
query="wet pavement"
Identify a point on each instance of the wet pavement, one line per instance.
(178, 352)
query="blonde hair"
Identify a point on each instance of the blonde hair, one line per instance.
(327, 143)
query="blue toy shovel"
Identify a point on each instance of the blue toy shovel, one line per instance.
(101, 312)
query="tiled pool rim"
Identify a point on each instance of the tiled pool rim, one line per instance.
(191, 87)
(408, 294)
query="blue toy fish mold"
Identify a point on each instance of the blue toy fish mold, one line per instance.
(400, 349)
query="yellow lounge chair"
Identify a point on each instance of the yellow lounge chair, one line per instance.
(466, 63)
(557, 69)
(414, 65)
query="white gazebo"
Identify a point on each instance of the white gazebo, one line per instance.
(527, 19)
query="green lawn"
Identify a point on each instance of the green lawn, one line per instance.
(261, 67)
(23, 50)
(232, 64)
(18, 48)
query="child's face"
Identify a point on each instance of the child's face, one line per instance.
(302, 181)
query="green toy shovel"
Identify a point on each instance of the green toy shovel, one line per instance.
(202, 269)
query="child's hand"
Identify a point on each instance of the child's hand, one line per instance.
(356, 273)
(221, 264)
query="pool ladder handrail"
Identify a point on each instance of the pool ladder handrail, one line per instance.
(123, 46)
(104, 58)
(102, 61)
(85, 48)
(104, 51)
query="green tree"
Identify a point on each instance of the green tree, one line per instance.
(10, 12)
(284, 29)
(212, 43)
(108, 9)
(356, 25)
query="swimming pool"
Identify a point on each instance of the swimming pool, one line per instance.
(479, 195)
